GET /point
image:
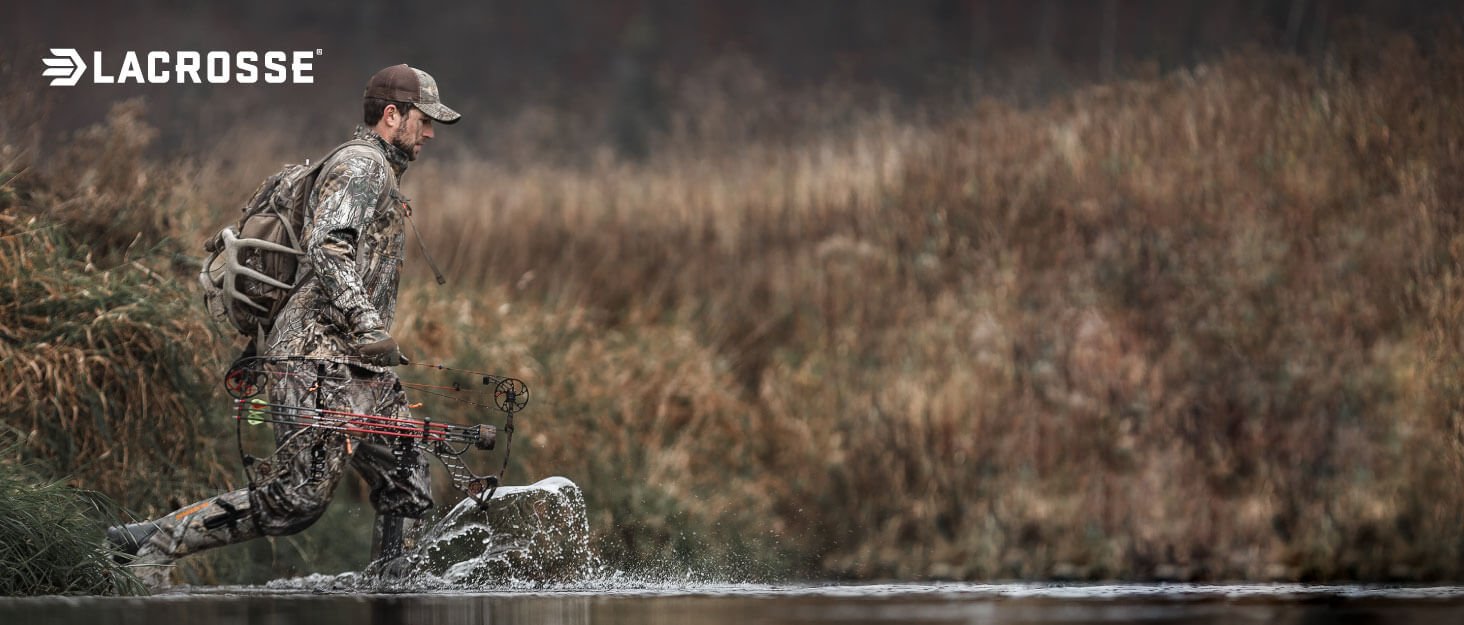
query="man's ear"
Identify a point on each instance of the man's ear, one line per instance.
(390, 112)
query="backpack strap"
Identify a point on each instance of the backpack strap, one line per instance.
(316, 168)
(314, 173)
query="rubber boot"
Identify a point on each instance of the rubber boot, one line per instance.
(155, 545)
(393, 546)
(127, 539)
(386, 537)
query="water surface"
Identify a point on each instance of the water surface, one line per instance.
(310, 602)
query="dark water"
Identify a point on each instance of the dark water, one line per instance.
(745, 604)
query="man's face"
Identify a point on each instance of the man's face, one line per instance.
(412, 132)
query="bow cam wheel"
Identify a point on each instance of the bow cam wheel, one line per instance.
(511, 395)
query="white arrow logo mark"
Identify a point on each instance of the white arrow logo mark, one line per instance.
(66, 65)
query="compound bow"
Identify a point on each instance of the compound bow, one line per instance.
(248, 377)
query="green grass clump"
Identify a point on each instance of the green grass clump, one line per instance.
(50, 538)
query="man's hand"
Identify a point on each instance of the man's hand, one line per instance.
(383, 352)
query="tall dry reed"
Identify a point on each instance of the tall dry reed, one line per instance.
(1196, 327)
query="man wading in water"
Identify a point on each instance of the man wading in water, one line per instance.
(329, 347)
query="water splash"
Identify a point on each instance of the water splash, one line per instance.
(531, 536)
(537, 534)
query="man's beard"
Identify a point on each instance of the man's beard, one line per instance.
(407, 148)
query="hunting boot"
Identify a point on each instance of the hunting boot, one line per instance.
(394, 545)
(154, 545)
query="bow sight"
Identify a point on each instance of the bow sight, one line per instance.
(248, 378)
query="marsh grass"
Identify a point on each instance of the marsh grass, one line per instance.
(1198, 326)
(50, 543)
(104, 369)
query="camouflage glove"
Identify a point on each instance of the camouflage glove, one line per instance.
(383, 352)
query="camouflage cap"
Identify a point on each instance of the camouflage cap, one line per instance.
(402, 83)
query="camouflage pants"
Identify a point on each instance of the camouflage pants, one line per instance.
(294, 486)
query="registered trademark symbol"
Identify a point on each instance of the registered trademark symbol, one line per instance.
(319, 51)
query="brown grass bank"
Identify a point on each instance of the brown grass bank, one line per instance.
(107, 366)
(1202, 326)
(1198, 327)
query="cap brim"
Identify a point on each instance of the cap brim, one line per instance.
(439, 113)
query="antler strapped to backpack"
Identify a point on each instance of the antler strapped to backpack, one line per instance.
(251, 267)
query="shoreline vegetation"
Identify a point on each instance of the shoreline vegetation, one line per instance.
(1201, 326)
(48, 538)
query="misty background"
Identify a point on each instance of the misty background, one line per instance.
(613, 70)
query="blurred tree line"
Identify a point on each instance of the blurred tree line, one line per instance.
(613, 59)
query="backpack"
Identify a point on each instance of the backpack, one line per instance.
(250, 268)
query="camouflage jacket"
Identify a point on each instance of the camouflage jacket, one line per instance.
(354, 238)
